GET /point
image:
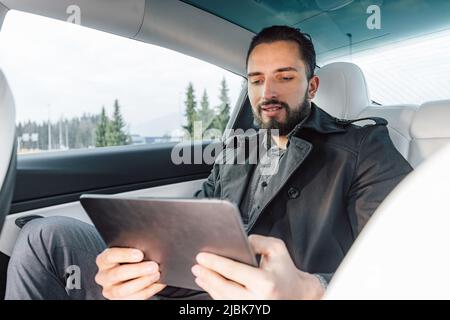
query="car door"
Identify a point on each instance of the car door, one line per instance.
(61, 154)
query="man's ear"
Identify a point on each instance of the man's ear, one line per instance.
(313, 85)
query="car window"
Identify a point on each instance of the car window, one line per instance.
(76, 87)
(415, 70)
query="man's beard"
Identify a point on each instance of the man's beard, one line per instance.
(293, 116)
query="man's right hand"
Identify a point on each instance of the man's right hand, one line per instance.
(123, 275)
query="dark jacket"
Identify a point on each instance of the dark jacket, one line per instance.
(335, 176)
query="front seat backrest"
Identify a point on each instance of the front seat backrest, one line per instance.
(430, 130)
(7, 147)
(343, 91)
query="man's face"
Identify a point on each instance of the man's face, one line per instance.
(278, 88)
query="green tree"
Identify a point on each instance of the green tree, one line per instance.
(100, 131)
(191, 109)
(205, 114)
(75, 133)
(223, 110)
(115, 134)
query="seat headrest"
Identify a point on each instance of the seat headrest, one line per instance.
(432, 120)
(342, 90)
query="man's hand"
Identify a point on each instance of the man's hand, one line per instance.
(124, 276)
(276, 278)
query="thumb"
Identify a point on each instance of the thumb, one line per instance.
(267, 246)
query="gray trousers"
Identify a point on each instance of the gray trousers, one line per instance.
(54, 258)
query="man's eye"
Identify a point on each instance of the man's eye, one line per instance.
(287, 78)
(256, 82)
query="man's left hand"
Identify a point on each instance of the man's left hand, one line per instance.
(276, 278)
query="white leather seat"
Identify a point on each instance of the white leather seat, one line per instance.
(343, 91)
(7, 147)
(430, 130)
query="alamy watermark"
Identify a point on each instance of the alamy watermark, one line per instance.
(242, 147)
(374, 20)
(73, 274)
(74, 13)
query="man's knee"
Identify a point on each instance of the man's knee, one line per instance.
(44, 250)
(48, 233)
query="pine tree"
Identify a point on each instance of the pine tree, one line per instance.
(100, 131)
(115, 135)
(223, 110)
(205, 114)
(191, 112)
(81, 132)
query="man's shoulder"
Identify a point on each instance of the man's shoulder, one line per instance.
(325, 127)
(362, 128)
(357, 131)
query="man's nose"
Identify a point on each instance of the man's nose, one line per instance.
(269, 90)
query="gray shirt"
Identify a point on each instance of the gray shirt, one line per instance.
(257, 186)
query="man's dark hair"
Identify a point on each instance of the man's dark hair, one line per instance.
(286, 33)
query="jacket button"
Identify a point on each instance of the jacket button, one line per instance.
(293, 193)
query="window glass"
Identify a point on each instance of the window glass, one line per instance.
(76, 87)
(410, 71)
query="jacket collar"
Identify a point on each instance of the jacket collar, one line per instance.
(319, 121)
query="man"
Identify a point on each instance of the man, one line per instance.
(303, 219)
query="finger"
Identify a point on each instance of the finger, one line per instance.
(133, 287)
(217, 286)
(236, 271)
(147, 293)
(267, 246)
(144, 294)
(113, 256)
(126, 272)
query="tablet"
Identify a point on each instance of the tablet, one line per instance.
(171, 232)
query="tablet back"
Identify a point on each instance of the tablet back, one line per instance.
(171, 231)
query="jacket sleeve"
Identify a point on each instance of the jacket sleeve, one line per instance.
(379, 168)
(209, 185)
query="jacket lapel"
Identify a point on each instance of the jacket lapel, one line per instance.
(295, 155)
(235, 177)
(234, 180)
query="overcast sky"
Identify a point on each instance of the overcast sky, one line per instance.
(65, 70)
